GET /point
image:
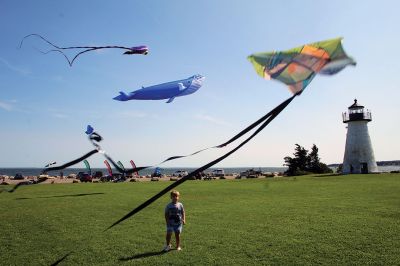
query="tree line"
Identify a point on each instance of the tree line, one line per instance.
(305, 162)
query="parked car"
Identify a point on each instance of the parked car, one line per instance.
(157, 172)
(251, 173)
(84, 177)
(19, 177)
(180, 173)
(218, 173)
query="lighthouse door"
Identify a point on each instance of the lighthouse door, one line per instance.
(364, 168)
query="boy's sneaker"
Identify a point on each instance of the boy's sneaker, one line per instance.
(167, 248)
(179, 249)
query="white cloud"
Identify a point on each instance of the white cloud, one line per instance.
(6, 106)
(19, 70)
(212, 120)
(58, 115)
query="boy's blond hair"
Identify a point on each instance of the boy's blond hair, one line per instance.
(175, 193)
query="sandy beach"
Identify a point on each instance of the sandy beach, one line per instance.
(4, 180)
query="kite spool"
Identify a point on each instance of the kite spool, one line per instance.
(358, 156)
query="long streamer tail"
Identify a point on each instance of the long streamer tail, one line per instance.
(95, 137)
(80, 159)
(274, 113)
(58, 48)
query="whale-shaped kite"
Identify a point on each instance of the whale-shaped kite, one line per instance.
(168, 90)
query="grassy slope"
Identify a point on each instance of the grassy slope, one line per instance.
(351, 219)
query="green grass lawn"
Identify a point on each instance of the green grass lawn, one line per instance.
(329, 220)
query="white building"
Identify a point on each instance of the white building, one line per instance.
(358, 156)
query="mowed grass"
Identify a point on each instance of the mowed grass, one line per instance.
(329, 220)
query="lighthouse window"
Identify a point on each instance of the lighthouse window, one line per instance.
(358, 111)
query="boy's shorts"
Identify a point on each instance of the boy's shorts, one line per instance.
(174, 228)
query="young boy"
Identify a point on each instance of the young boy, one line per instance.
(174, 218)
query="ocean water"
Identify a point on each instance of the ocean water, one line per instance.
(167, 171)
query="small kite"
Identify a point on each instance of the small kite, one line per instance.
(52, 163)
(168, 90)
(121, 165)
(87, 165)
(298, 66)
(89, 130)
(142, 49)
(110, 173)
(134, 167)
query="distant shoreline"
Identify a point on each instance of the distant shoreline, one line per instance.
(31, 171)
(385, 166)
(379, 163)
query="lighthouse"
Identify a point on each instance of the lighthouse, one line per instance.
(358, 155)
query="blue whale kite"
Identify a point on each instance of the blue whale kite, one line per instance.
(168, 90)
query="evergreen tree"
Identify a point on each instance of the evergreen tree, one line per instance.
(291, 164)
(304, 162)
(297, 165)
(302, 158)
(314, 163)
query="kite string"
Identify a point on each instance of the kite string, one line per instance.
(274, 114)
(121, 170)
(277, 110)
(95, 138)
(59, 51)
(55, 168)
(37, 35)
(237, 136)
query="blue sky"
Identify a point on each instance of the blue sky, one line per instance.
(45, 105)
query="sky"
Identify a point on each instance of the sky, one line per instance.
(45, 105)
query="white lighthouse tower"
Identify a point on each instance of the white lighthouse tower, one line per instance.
(358, 156)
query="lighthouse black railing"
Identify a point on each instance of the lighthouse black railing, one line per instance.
(357, 116)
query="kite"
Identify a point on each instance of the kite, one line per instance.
(110, 173)
(87, 165)
(168, 90)
(134, 166)
(47, 165)
(295, 68)
(89, 130)
(142, 49)
(298, 66)
(121, 165)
